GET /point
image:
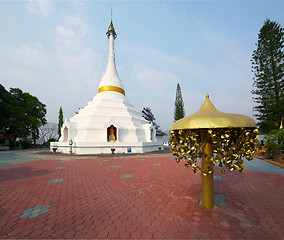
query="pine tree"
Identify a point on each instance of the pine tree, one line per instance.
(179, 106)
(268, 69)
(60, 121)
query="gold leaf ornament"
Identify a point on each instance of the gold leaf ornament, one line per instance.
(229, 146)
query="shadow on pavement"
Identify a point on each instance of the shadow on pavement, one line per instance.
(20, 173)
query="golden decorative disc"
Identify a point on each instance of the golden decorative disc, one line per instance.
(209, 117)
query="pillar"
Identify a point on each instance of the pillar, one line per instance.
(207, 181)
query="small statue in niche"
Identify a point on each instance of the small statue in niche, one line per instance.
(111, 137)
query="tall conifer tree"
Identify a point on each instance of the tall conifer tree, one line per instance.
(268, 69)
(179, 106)
(60, 121)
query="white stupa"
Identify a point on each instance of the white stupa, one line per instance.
(109, 121)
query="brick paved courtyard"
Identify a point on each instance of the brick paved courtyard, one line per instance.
(137, 197)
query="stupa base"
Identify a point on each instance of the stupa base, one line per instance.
(104, 147)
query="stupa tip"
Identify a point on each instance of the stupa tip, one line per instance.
(207, 96)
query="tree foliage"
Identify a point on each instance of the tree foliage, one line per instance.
(48, 131)
(179, 106)
(60, 121)
(268, 69)
(21, 114)
(275, 141)
(6, 109)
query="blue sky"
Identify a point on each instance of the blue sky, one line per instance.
(57, 51)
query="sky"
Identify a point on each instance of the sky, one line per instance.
(57, 51)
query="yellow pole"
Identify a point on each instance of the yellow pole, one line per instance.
(207, 181)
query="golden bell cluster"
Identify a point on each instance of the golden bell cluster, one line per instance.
(229, 147)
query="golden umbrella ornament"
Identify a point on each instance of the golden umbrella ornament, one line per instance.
(218, 138)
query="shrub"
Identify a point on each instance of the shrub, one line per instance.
(275, 141)
(25, 142)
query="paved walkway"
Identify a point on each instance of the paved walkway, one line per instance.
(262, 166)
(11, 158)
(138, 197)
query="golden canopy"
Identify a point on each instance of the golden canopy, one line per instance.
(209, 117)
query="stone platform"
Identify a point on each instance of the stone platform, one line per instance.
(142, 196)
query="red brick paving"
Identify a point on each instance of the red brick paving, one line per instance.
(159, 201)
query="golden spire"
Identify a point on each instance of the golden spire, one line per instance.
(111, 28)
(281, 125)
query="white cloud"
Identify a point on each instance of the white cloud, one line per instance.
(39, 7)
(57, 79)
(77, 23)
(66, 44)
(71, 33)
(78, 3)
(153, 78)
(226, 77)
(208, 62)
(183, 69)
(73, 20)
(64, 31)
(24, 53)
